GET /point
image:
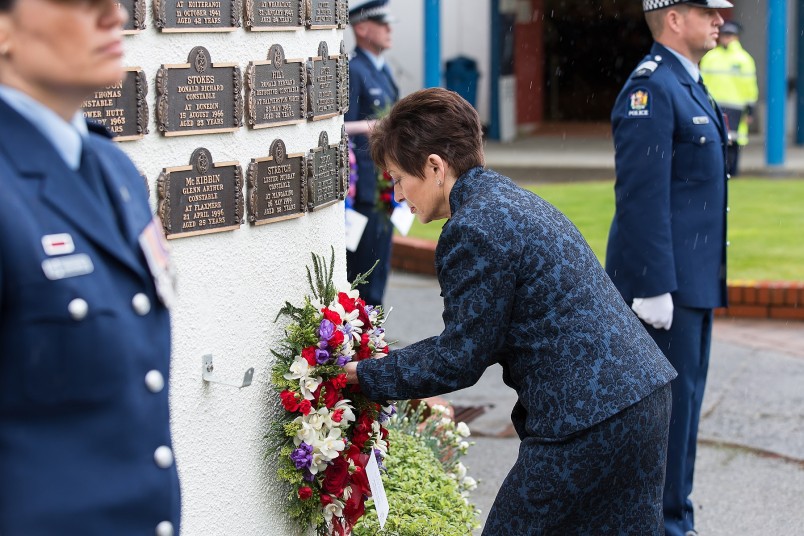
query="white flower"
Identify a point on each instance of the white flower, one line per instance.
(331, 446)
(335, 508)
(309, 385)
(460, 470)
(300, 368)
(347, 416)
(438, 409)
(469, 483)
(463, 430)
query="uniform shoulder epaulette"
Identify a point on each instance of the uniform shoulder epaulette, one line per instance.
(645, 69)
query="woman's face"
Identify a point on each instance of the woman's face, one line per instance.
(427, 197)
(68, 47)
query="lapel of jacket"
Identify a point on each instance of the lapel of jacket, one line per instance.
(382, 78)
(62, 189)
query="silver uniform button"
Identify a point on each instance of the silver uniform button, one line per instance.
(141, 304)
(78, 309)
(163, 457)
(728, 243)
(702, 140)
(728, 176)
(728, 209)
(165, 528)
(154, 381)
(657, 58)
(376, 102)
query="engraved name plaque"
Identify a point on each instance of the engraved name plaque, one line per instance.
(343, 79)
(174, 16)
(198, 97)
(276, 186)
(322, 81)
(323, 14)
(121, 108)
(136, 15)
(276, 90)
(201, 198)
(343, 166)
(324, 177)
(274, 15)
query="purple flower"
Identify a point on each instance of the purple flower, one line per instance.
(302, 456)
(326, 330)
(308, 476)
(342, 360)
(321, 356)
(378, 455)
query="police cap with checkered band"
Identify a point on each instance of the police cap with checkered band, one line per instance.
(375, 10)
(652, 5)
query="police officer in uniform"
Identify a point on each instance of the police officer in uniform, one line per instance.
(731, 76)
(372, 91)
(85, 443)
(667, 244)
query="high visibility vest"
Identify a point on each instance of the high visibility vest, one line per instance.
(730, 75)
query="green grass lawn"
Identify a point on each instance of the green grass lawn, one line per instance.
(766, 223)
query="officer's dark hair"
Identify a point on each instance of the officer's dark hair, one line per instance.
(5, 5)
(429, 121)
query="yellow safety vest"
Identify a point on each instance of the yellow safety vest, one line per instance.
(731, 77)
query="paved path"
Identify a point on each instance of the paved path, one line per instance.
(750, 463)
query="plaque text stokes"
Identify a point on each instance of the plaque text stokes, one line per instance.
(173, 16)
(322, 93)
(272, 15)
(276, 90)
(324, 177)
(198, 97)
(276, 186)
(121, 108)
(201, 198)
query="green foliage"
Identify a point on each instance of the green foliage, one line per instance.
(764, 223)
(321, 285)
(423, 499)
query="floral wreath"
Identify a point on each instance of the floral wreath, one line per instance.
(329, 429)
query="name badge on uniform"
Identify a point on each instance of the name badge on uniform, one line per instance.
(68, 266)
(375, 91)
(58, 244)
(157, 255)
(700, 120)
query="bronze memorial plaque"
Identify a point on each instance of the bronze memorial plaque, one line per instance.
(174, 16)
(198, 97)
(121, 108)
(323, 14)
(324, 178)
(343, 80)
(276, 90)
(201, 198)
(343, 165)
(322, 81)
(136, 15)
(274, 15)
(276, 186)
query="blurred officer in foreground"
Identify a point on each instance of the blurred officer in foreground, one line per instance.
(731, 77)
(667, 244)
(372, 91)
(85, 444)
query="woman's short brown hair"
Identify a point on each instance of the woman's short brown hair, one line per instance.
(429, 121)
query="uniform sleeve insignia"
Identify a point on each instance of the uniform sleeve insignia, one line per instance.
(645, 69)
(639, 103)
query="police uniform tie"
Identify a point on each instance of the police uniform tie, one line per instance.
(706, 91)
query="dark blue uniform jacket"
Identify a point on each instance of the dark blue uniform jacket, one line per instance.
(669, 229)
(84, 358)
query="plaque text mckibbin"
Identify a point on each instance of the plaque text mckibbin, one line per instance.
(198, 97)
(276, 186)
(322, 91)
(276, 90)
(274, 15)
(201, 198)
(136, 15)
(121, 108)
(173, 16)
(323, 174)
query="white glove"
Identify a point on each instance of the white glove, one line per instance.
(656, 311)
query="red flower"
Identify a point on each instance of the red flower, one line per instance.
(336, 339)
(336, 477)
(305, 407)
(346, 302)
(362, 430)
(337, 415)
(325, 499)
(305, 493)
(363, 316)
(309, 355)
(332, 316)
(289, 400)
(339, 381)
(332, 395)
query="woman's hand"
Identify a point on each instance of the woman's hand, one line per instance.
(351, 373)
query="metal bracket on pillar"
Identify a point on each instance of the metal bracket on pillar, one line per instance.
(207, 374)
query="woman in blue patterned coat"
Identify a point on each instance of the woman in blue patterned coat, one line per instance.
(522, 288)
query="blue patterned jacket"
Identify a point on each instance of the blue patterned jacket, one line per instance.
(522, 288)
